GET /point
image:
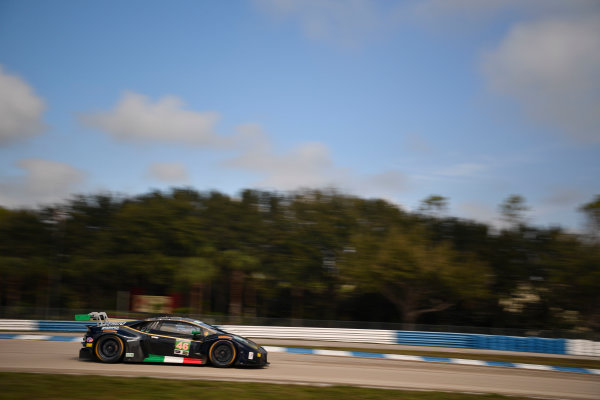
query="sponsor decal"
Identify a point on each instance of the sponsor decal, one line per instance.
(224, 337)
(182, 347)
(129, 355)
(250, 356)
(89, 340)
(108, 328)
(258, 355)
(89, 344)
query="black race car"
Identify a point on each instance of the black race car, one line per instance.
(167, 340)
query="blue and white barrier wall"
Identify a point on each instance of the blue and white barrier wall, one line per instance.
(416, 338)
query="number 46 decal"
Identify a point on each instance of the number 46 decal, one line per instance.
(182, 347)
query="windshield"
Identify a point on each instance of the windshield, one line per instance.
(211, 329)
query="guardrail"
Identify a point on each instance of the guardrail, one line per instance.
(443, 339)
(63, 326)
(302, 333)
(18, 325)
(529, 344)
(378, 336)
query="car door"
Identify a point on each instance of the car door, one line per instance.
(171, 338)
(144, 331)
(152, 341)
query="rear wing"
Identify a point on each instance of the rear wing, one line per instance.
(100, 317)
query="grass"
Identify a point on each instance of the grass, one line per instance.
(525, 359)
(65, 387)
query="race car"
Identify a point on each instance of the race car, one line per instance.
(167, 340)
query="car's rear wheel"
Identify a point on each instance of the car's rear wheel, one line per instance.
(109, 349)
(222, 354)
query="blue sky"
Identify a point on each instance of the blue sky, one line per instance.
(472, 100)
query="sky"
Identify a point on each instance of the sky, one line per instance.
(471, 100)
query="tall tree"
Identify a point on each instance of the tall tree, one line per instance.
(416, 275)
(513, 210)
(592, 212)
(574, 280)
(195, 274)
(434, 205)
(237, 264)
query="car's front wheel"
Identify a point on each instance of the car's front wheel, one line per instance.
(109, 349)
(222, 354)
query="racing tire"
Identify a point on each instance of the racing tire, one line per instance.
(222, 354)
(109, 349)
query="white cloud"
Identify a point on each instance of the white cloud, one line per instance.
(135, 118)
(168, 172)
(348, 23)
(469, 14)
(352, 22)
(562, 196)
(481, 212)
(306, 165)
(448, 12)
(20, 110)
(388, 185)
(44, 182)
(552, 67)
(548, 61)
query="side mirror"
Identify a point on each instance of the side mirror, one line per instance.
(196, 333)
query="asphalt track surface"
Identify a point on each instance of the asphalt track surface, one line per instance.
(61, 357)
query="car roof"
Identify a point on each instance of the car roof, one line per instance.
(183, 319)
(170, 318)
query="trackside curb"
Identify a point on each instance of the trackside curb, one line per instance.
(341, 353)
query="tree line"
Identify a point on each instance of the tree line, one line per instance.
(312, 254)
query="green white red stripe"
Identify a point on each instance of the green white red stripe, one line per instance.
(172, 360)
